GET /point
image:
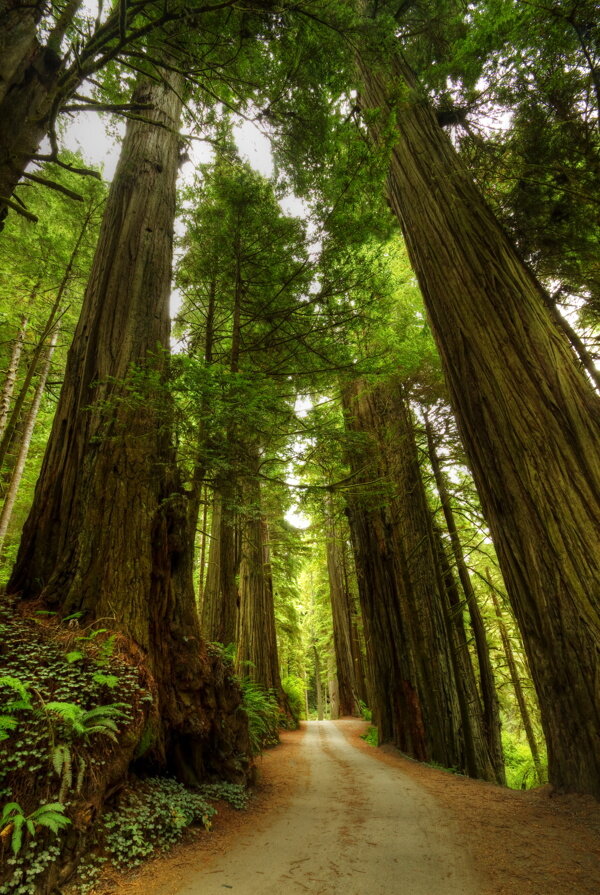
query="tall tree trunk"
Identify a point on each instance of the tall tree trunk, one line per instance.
(357, 640)
(109, 531)
(518, 688)
(529, 419)
(11, 373)
(347, 697)
(204, 540)
(471, 709)
(220, 602)
(28, 428)
(257, 655)
(489, 695)
(318, 684)
(408, 640)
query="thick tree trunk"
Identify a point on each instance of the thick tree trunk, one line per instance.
(28, 427)
(529, 419)
(347, 696)
(109, 532)
(257, 656)
(489, 695)
(417, 698)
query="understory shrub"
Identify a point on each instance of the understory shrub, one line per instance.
(371, 736)
(262, 709)
(520, 768)
(294, 688)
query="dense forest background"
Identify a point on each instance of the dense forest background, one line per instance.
(317, 444)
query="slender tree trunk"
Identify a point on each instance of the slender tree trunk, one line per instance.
(54, 315)
(529, 419)
(318, 684)
(11, 373)
(210, 616)
(357, 641)
(491, 706)
(28, 428)
(109, 530)
(517, 687)
(203, 542)
(257, 655)
(417, 698)
(471, 710)
(342, 621)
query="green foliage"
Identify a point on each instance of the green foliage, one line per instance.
(50, 816)
(8, 722)
(371, 736)
(52, 752)
(294, 688)
(365, 711)
(152, 817)
(520, 768)
(80, 722)
(262, 709)
(234, 794)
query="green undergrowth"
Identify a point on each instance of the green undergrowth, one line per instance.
(66, 697)
(520, 767)
(371, 736)
(262, 708)
(150, 817)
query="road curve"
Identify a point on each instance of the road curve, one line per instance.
(356, 826)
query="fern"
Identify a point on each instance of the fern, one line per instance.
(82, 723)
(12, 821)
(22, 689)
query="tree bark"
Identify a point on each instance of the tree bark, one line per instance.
(489, 695)
(417, 699)
(318, 684)
(529, 418)
(221, 598)
(257, 656)
(109, 532)
(347, 696)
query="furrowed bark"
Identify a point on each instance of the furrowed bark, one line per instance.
(110, 531)
(529, 419)
(409, 643)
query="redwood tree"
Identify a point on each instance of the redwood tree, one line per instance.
(528, 417)
(421, 690)
(108, 533)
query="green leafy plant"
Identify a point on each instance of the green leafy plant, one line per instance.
(295, 688)
(262, 709)
(152, 817)
(13, 822)
(85, 722)
(8, 722)
(371, 736)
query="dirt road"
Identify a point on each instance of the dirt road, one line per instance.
(353, 826)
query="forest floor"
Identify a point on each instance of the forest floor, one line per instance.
(333, 814)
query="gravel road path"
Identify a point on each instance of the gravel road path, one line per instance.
(353, 826)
